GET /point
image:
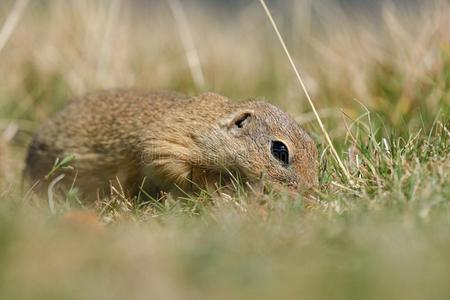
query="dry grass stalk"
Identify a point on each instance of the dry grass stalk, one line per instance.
(327, 137)
(11, 22)
(188, 43)
(105, 52)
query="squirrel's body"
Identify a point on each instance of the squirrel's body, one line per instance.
(171, 139)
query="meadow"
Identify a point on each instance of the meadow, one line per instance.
(380, 80)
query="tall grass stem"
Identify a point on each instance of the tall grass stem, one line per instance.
(11, 22)
(188, 43)
(322, 127)
(105, 50)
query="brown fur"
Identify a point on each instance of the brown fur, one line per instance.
(171, 139)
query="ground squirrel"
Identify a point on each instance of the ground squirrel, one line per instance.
(171, 139)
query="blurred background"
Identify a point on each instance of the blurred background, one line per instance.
(378, 53)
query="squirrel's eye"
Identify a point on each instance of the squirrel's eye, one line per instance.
(280, 151)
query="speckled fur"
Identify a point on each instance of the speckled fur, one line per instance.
(170, 138)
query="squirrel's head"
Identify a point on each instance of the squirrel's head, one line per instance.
(257, 138)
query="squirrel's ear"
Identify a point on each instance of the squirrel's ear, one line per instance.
(237, 120)
(241, 119)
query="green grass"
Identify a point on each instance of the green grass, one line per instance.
(385, 100)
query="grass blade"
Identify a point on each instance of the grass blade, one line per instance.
(11, 22)
(188, 43)
(322, 127)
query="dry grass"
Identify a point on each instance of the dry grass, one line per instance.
(381, 85)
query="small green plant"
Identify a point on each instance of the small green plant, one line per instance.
(60, 164)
